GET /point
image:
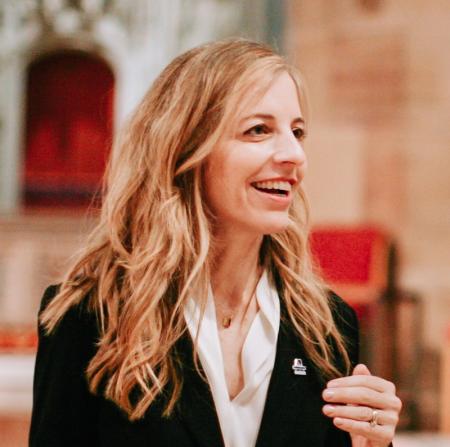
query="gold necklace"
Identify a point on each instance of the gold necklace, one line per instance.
(227, 319)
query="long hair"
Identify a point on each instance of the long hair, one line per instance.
(150, 249)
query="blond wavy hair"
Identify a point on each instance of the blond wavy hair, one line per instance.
(151, 247)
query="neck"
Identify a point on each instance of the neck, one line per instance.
(235, 270)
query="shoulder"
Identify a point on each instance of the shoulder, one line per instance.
(69, 346)
(77, 325)
(346, 322)
(49, 293)
(78, 310)
(344, 315)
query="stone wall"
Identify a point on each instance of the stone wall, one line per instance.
(378, 74)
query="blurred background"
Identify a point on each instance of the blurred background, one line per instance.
(378, 76)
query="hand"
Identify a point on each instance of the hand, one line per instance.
(365, 406)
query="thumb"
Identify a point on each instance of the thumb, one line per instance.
(361, 370)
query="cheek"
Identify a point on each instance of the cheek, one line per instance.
(225, 189)
(303, 169)
(215, 185)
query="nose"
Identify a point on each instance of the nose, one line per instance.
(290, 151)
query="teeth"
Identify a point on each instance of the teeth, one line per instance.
(284, 186)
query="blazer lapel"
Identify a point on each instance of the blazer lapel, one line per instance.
(196, 404)
(292, 412)
(293, 408)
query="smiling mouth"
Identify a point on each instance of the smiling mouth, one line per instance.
(280, 188)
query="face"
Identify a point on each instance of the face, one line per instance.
(254, 171)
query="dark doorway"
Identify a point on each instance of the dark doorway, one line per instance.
(69, 115)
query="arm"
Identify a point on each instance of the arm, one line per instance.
(64, 411)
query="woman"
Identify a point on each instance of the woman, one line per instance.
(193, 316)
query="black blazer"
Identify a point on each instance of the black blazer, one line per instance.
(66, 414)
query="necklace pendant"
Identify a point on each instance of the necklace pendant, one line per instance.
(226, 322)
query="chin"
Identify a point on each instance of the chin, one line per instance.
(274, 225)
(275, 230)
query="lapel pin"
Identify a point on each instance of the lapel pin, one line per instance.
(298, 367)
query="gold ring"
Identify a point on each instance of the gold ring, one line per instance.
(374, 419)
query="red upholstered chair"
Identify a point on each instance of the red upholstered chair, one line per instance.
(357, 263)
(354, 261)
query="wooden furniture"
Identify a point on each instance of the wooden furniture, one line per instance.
(358, 265)
(445, 384)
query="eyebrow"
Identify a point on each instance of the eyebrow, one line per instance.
(268, 116)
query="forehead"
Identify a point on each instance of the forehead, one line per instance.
(278, 96)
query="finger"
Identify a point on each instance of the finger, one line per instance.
(360, 413)
(379, 433)
(361, 396)
(373, 382)
(361, 369)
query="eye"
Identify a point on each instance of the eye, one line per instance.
(258, 130)
(299, 133)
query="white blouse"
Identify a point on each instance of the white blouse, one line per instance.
(239, 418)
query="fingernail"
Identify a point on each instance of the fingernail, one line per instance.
(328, 409)
(338, 421)
(328, 394)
